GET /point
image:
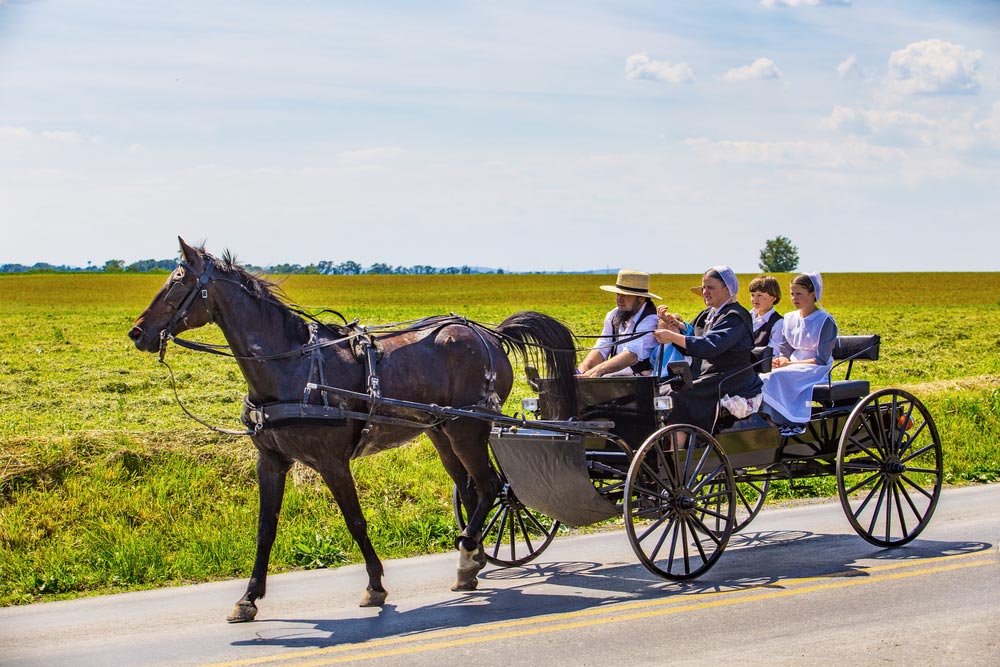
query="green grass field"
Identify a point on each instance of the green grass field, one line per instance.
(106, 486)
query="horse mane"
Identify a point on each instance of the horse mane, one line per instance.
(265, 290)
(258, 286)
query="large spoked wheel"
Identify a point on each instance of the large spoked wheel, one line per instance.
(889, 467)
(512, 534)
(750, 496)
(680, 502)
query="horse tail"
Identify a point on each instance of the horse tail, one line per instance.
(535, 337)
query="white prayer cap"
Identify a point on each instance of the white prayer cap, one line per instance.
(729, 278)
(817, 281)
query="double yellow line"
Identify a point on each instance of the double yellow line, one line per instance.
(618, 613)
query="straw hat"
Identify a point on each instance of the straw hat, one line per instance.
(631, 283)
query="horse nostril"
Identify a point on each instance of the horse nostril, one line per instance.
(135, 333)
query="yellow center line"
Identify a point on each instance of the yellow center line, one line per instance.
(615, 613)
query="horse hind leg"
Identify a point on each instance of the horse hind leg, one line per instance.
(465, 455)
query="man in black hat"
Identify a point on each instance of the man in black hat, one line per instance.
(616, 351)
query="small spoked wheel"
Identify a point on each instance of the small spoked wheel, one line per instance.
(889, 467)
(680, 502)
(512, 534)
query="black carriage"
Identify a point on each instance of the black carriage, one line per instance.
(683, 492)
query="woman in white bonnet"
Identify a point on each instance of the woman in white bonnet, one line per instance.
(719, 341)
(805, 357)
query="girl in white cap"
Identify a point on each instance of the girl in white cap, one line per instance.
(805, 357)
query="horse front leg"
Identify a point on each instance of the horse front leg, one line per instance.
(339, 479)
(272, 471)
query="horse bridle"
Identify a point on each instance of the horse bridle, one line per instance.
(181, 298)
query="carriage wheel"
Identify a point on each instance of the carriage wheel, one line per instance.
(750, 496)
(512, 534)
(889, 467)
(680, 502)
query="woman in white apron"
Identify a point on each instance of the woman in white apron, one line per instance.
(806, 356)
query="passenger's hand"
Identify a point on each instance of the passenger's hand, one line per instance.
(662, 311)
(779, 362)
(593, 373)
(661, 336)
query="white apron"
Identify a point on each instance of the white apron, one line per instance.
(788, 390)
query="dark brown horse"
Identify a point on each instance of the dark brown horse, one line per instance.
(441, 361)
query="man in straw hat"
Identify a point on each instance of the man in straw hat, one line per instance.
(616, 351)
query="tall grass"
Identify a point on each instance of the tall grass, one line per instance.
(105, 485)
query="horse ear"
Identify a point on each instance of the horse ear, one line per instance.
(190, 255)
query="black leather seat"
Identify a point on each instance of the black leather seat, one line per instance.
(847, 391)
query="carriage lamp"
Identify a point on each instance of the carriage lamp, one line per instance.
(663, 403)
(529, 404)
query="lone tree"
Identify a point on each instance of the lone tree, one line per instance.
(779, 256)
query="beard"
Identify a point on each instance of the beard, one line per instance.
(623, 316)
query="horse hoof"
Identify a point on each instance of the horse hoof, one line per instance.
(373, 598)
(243, 612)
(466, 581)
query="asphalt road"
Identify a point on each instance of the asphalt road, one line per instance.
(797, 587)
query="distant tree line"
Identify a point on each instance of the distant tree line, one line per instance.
(326, 268)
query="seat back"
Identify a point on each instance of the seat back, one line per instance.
(847, 349)
(856, 347)
(762, 358)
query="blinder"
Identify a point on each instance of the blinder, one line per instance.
(180, 297)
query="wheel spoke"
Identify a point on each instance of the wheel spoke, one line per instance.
(501, 531)
(524, 530)
(709, 533)
(493, 520)
(922, 450)
(536, 523)
(878, 507)
(925, 492)
(899, 510)
(909, 501)
(671, 527)
(684, 547)
(877, 455)
(864, 482)
(877, 487)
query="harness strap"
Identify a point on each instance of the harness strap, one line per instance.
(370, 353)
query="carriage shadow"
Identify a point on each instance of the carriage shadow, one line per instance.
(519, 594)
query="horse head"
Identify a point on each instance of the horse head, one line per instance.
(181, 304)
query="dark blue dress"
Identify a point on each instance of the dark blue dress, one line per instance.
(721, 363)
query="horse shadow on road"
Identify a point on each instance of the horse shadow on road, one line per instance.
(752, 560)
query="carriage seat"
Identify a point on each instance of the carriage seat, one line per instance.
(847, 349)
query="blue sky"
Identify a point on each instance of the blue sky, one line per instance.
(666, 137)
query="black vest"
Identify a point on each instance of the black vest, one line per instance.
(762, 336)
(640, 366)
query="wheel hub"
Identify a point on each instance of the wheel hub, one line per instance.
(508, 498)
(684, 503)
(894, 468)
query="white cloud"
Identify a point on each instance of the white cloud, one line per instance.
(803, 3)
(850, 68)
(991, 126)
(8, 133)
(369, 155)
(800, 154)
(935, 66)
(53, 136)
(641, 66)
(874, 121)
(762, 68)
